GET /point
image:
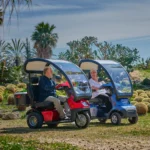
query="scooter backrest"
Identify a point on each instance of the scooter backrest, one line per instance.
(33, 89)
(34, 80)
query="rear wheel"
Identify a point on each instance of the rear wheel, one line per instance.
(133, 120)
(115, 118)
(82, 120)
(34, 120)
(102, 121)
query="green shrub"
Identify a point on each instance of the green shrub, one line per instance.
(134, 95)
(22, 85)
(11, 88)
(138, 99)
(11, 99)
(133, 102)
(1, 98)
(140, 91)
(146, 81)
(142, 108)
(146, 100)
(148, 107)
(146, 103)
(144, 95)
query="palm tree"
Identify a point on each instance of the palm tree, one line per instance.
(44, 39)
(13, 5)
(29, 53)
(2, 58)
(1, 17)
(2, 49)
(15, 51)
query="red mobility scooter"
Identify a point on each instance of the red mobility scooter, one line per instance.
(74, 83)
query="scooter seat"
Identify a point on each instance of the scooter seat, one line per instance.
(95, 100)
(45, 104)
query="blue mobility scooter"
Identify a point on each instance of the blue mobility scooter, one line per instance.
(114, 104)
(73, 82)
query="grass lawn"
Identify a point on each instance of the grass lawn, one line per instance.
(68, 136)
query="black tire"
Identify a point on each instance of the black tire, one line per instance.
(102, 121)
(52, 125)
(133, 120)
(34, 120)
(115, 118)
(82, 120)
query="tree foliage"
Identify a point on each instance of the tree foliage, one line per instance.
(89, 47)
(15, 51)
(29, 52)
(79, 49)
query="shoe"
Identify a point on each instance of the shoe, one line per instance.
(65, 118)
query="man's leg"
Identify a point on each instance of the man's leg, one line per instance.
(57, 105)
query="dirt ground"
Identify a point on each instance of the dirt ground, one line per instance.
(95, 137)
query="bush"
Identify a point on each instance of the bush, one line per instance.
(11, 88)
(148, 94)
(2, 88)
(146, 81)
(142, 108)
(146, 100)
(148, 107)
(133, 102)
(1, 98)
(134, 95)
(146, 103)
(135, 92)
(144, 95)
(22, 85)
(138, 99)
(11, 99)
(140, 91)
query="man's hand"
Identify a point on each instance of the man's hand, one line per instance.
(95, 88)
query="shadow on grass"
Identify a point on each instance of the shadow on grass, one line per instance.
(45, 128)
(109, 124)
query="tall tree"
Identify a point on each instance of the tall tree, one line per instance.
(44, 39)
(2, 49)
(105, 51)
(126, 56)
(2, 58)
(11, 5)
(83, 49)
(15, 51)
(1, 17)
(29, 53)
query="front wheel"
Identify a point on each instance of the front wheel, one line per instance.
(35, 120)
(82, 120)
(133, 120)
(115, 118)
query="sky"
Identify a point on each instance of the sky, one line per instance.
(115, 21)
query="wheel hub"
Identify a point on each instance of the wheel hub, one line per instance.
(33, 121)
(114, 119)
(81, 120)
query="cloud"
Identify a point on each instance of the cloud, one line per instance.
(106, 21)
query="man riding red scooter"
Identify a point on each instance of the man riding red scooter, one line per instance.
(45, 106)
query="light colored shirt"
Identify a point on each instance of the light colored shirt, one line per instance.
(98, 85)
